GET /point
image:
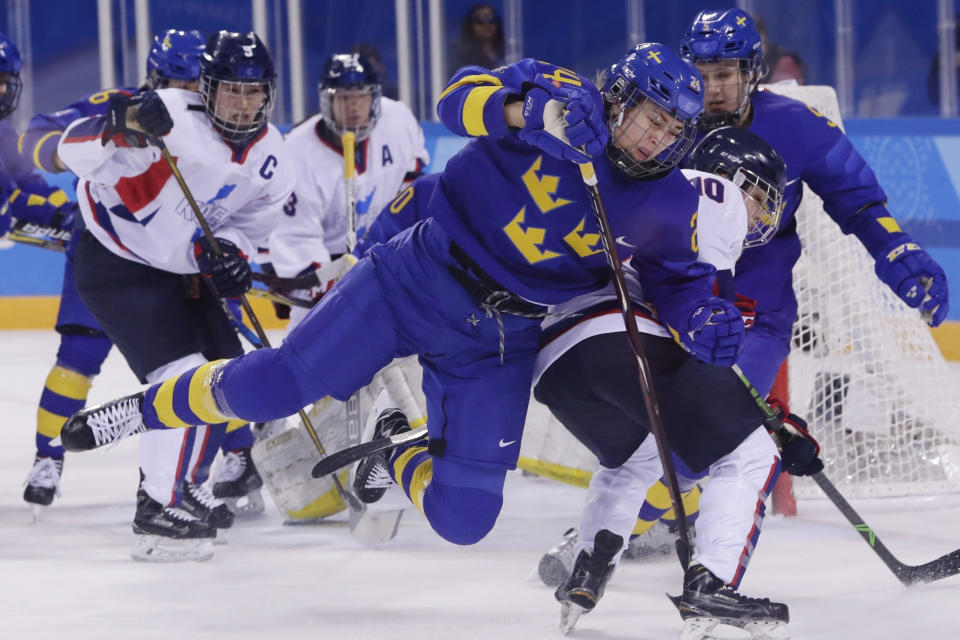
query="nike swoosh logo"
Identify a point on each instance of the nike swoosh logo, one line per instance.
(620, 240)
(506, 444)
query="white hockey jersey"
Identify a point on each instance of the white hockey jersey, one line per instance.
(315, 222)
(131, 202)
(721, 227)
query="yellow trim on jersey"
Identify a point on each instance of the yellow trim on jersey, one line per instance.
(472, 115)
(33, 200)
(889, 224)
(558, 472)
(49, 424)
(36, 148)
(478, 78)
(14, 195)
(235, 424)
(163, 404)
(200, 396)
(58, 198)
(68, 383)
(20, 142)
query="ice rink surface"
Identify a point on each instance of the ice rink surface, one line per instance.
(70, 575)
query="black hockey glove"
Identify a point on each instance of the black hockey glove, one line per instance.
(799, 450)
(228, 273)
(116, 128)
(153, 116)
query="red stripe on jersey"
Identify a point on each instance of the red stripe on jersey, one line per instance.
(246, 150)
(138, 191)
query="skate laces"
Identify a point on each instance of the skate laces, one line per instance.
(199, 494)
(115, 421)
(378, 478)
(231, 468)
(175, 513)
(45, 473)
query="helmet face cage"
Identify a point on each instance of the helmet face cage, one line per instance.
(238, 109)
(764, 202)
(11, 98)
(737, 77)
(335, 103)
(646, 139)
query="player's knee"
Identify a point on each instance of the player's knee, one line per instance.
(755, 460)
(462, 515)
(262, 385)
(83, 352)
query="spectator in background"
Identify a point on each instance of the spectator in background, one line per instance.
(780, 64)
(388, 88)
(481, 40)
(933, 76)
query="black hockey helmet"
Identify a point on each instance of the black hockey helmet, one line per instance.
(238, 84)
(752, 164)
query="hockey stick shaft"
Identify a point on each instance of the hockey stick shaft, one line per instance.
(345, 457)
(943, 567)
(349, 498)
(589, 176)
(43, 237)
(349, 140)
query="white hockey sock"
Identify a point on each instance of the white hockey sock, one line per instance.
(616, 495)
(732, 506)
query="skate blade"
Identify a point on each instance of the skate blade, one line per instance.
(246, 507)
(148, 548)
(702, 628)
(35, 511)
(375, 527)
(569, 615)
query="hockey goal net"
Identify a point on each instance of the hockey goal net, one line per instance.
(864, 371)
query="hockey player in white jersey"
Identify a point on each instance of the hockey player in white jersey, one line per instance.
(139, 260)
(389, 154)
(587, 375)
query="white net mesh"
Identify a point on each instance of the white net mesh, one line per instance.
(864, 371)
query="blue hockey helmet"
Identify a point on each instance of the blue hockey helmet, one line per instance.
(752, 164)
(348, 80)
(654, 99)
(237, 84)
(10, 65)
(731, 39)
(175, 55)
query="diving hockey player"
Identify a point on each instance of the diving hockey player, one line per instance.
(511, 230)
(138, 260)
(587, 376)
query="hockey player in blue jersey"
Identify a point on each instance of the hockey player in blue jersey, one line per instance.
(511, 230)
(25, 197)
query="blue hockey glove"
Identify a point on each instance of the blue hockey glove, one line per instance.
(916, 278)
(559, 120)
(228, 273)
(799, 451)
(714, 333)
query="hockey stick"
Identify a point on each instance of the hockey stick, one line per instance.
(588, 173)
(358, 510)
(276, 282)
(943, 567)
(53, 238)
(345, 457)
(273, 296)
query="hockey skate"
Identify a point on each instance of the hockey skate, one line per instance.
(201, 504)
(237, 482)
(43, 483)
(104, 424)
(583, 589)
(371, 477)
(707, 602)
(167, 534)
(556, 565)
